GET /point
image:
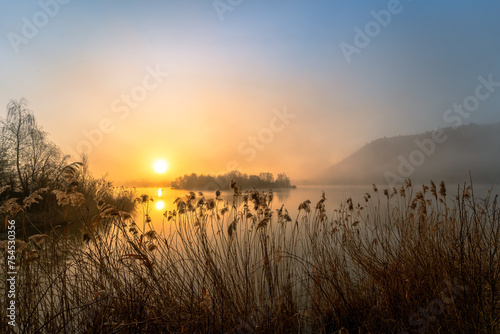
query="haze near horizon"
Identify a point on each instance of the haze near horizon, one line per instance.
(208, 87)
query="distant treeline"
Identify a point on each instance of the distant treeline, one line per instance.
(221, 182)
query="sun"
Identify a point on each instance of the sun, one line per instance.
(160, 166)
(160, 204)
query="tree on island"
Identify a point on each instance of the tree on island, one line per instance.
(245, 181)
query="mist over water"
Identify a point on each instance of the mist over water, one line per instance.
(289, 198)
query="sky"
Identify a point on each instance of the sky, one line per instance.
(211, 86)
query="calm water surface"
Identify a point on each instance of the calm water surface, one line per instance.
(291, 198)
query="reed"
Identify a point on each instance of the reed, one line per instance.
(405, 260)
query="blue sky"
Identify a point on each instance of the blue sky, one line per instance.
(227, 76)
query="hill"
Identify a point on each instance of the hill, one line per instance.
(444, 154)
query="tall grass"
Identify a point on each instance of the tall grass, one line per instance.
(407, 259)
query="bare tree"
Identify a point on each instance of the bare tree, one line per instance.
(268, 177)
(32, 158)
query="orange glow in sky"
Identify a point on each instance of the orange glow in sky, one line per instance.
(129, 84)
(160, 166)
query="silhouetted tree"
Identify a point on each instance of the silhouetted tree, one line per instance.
(27, 156)
(283, 180)
(268, 177)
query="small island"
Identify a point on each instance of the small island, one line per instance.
(213, 182)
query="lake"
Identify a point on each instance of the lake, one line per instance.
(291, 198)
